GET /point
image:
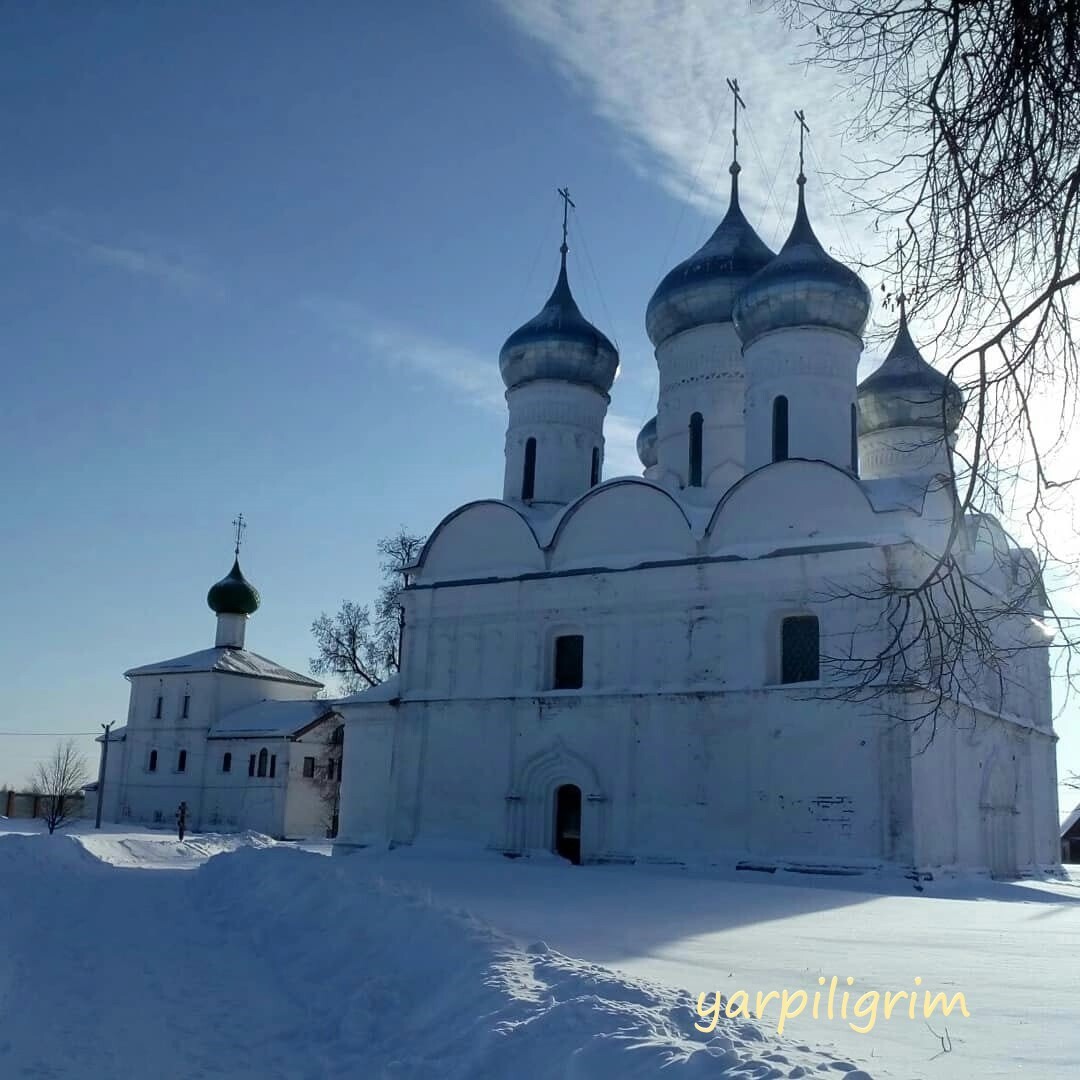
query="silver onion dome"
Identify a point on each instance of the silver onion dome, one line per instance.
(559, 343)
(802, 286)
(703, 288)
(646, 444)
(905, 391)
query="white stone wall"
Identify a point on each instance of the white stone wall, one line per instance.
(216, 800)
(815, 369)
(904, 451)
(682, 742)
(701, 370)
(567, 422)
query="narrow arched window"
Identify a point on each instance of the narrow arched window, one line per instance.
(696, 424)
(779, 429)
(594, 475)
(569, 662)
(800, 644)
(854, 440)
(251, 765)
(226, 762)
(262, 761)
(181, 761)
(528, 478)
(151, 765)
(273, 765)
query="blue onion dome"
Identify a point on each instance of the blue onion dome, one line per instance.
(905, 391)
(703, 288)
(802, 286)
(559, 343)
(646, 444)
(233, 594)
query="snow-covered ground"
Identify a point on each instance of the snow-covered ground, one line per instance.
(124, 953)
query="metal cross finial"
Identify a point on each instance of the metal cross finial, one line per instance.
(901, 297)
(564, 194)
(803, 132)
(240, 525)
(733, 86)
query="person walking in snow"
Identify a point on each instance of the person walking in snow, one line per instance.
(181, 820)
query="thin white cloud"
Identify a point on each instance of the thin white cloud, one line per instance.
(657, 70)
(474, 377)
(146, 264)
(142, 259)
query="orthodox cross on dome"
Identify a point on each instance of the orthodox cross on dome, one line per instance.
(901, 296)
(239, 524)
(564, 194)
(737, 101)
(803, 132)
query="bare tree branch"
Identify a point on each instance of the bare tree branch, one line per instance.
(60, 780)
(360, 645)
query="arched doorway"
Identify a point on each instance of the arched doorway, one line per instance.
(568, 823)
(999, 825)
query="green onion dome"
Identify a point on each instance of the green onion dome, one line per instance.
(233, 594)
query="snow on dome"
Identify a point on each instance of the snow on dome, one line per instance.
(646, 444)
(233, 594)
(559, 343)
(905, 391)
(702, 289)
(802, 286)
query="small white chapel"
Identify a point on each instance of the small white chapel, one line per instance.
(242, 740)
(634, 669)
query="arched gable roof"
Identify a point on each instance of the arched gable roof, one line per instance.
(623, 522)
(480, 539)
(791, 502)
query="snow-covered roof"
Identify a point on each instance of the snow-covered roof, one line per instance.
(1071, 820)
(117, 734)
(272, 718)
(228, 661)
(390, 690)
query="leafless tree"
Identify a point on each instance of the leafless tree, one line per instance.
(59, 781)
(360, 645)
(328, 777)
(970, 113)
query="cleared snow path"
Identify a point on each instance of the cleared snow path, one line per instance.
(280, 963)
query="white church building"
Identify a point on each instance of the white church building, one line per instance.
(242, 740)
(637, 669)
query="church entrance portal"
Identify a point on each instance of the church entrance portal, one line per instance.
(568, 823)
(999, 822)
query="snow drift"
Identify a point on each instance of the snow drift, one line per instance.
(271, 962)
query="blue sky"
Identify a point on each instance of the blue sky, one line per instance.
(261, 257)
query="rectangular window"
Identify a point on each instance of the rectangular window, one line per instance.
(226, 763)
(309, 767)
(181, 761)
(569, 661)
(273, 765)
(157, 707)
(184, 710)
(251, 765)
(800, 649)
(151, 765)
